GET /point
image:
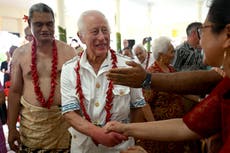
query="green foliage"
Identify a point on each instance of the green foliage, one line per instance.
(118, 39)
(62, 34)
(2, 57)
(148, 46)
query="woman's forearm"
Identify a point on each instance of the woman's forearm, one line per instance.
(189, 82)
(165, 130)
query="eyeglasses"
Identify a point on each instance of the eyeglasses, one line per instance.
(199, 29)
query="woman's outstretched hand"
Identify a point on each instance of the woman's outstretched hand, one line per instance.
(132, 77)
(115, 126)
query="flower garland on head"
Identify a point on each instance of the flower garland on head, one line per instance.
(25, 18)
(109, 92)
(35, 76)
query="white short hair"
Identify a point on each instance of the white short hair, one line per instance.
(139, 46)
(160, 45)
(81, 22)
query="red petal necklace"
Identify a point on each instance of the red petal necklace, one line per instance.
(109, 92)
(35, 76)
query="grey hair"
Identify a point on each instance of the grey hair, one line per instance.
(160, 45)
(192, 26)
(139, 46)
(81, 22)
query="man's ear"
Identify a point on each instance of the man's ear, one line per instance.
(80, 37)
(227, 41)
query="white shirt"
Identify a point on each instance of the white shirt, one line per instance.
(94, 87)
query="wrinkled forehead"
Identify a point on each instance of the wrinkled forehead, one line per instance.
(95, 21)
(42, 16)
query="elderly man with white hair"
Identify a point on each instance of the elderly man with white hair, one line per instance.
(89, 100)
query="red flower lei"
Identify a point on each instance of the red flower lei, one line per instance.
(35, 76)
(109, 92)
(25, 18)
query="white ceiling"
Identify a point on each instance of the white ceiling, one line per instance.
(25, 3)
(164, 12)
(52, 3)
(71, 5)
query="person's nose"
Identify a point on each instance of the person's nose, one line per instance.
(101, 35)
(44, 27)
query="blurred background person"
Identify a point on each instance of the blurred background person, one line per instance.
(128, 48)
(144, 57)
(188, 55)
(28, 34)
(7, 71)
(4, 68)
(5, 65)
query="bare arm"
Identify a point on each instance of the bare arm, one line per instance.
(79, 123)
(189, 82)
(165, 130)
(98, 134)
(15, 93)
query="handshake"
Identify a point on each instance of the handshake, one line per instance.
(107, 136)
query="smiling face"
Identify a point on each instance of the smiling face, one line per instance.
(95, 34)
(212, 44)
(140, 53)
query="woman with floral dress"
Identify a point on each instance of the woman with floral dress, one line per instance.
(165, 105)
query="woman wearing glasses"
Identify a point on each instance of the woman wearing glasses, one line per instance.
(210, 116)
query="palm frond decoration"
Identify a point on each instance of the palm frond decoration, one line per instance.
(62, 34)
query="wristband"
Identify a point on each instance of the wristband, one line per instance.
(147, 82)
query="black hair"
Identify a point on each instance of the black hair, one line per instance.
(192, 26)
(219, 14)
(39, 7)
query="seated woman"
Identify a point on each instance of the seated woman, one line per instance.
(165, 105)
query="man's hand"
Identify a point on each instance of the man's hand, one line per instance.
(109, 139)
(14, 140)
(132, 77)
